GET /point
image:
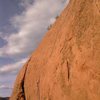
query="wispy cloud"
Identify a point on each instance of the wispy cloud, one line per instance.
(5, 87)
(12, 68)
(32, 25)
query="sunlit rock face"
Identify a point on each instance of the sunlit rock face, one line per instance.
(66, 65)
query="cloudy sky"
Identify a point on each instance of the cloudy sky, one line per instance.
(23, 23)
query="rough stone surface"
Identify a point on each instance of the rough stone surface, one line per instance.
(66, 65)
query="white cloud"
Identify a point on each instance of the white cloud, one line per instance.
(5, 87)
(31, 25)
(12, 68)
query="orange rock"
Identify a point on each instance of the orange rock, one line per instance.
(66, 65)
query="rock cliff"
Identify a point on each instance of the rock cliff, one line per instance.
(66, 65)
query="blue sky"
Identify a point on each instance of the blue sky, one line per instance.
(23, 23)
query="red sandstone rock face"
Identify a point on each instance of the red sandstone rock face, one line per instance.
(66, 65)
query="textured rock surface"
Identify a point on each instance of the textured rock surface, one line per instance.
(66, 65)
